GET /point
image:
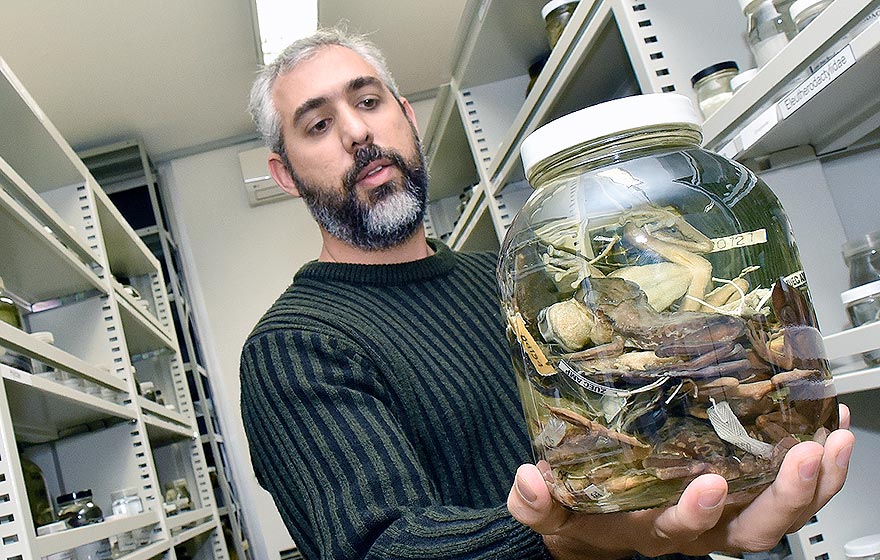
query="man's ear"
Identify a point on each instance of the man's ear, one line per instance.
(409, 112)
(282, 175)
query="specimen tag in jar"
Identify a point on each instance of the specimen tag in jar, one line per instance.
(796, 280)
(728, 427)
(593, 492)
(739, 240)
(530, 347)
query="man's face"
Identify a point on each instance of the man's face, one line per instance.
(352, 150)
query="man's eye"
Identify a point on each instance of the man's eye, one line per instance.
(319, 126)
(369, 102)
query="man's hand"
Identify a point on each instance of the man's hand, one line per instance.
(700, 523)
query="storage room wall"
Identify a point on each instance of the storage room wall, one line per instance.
(237, 260)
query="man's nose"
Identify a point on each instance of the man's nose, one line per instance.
(355, 132)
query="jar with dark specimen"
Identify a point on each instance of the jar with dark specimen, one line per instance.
(659, 318)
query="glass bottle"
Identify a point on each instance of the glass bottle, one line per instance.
(805, 11)
(9, 313)
(78, 510)
(659, 319)
(862, 257)
(128, 502)
(862, 304)
(177, 493)
(37, 494)
(556, 14)
(766, 29)
(713, 87)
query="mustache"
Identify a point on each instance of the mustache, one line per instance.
(367, 155)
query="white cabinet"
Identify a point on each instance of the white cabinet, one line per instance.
(811, 132)
(71, 406)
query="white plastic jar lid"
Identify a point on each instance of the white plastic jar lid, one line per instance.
(865, 546)
(742, 78)
(798, 7)
(860, 292)
(618, 115)
(553, 4)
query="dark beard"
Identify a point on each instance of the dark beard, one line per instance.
(360, 224)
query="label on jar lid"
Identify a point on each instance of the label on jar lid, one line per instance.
(739, 240)
(530, 346)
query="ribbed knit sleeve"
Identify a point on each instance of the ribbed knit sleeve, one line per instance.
(383, 416)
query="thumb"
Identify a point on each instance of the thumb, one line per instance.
(530, 502)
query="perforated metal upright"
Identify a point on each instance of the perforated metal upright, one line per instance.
(124, 168)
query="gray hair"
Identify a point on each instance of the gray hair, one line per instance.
(261, 106)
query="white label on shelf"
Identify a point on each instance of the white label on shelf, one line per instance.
(820, 79)
(729, 150)
(759, 126)
(739, 240)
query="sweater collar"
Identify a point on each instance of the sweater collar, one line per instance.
(438, 264)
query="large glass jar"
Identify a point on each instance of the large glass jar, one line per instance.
(767, 31)
(659, 319)
(78, 510)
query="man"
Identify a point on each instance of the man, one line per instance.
(377, 392)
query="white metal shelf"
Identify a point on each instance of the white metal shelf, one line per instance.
(475, 205)
(71, 538)
(758, 120)
(146, 316)
(64, 250)
(31, 200)
(189, 534)
(178, 520)
(22, 342)
(127, 254)
(43, 267)
(44, 410)
(141, 334)
(36, 149)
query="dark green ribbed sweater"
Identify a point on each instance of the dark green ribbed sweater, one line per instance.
(382, 411)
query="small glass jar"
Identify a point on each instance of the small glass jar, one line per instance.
(863, 306)
(659, 323)
(177, 493)
(766, 29)
(864, 548)
(784, 9)
(128, 502)
(9, 313)
(78, 510)
(556, 14)
(862, 257)
(148, 390)
(534, 71)
(50, 529)
(712, 85)
(805, 11)
(37, 493)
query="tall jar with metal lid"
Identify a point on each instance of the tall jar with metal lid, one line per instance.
(658, 314)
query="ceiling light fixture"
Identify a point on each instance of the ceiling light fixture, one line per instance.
(277, 23)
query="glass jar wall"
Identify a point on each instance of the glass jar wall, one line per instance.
(659, 319)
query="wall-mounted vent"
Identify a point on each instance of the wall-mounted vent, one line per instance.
(258, 184)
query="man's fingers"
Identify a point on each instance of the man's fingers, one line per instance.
(530, 502)
(698, 510)
(843, 413)
(760, 525)
(832, 474)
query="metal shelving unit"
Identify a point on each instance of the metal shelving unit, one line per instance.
(127, 175)
(789, 123)
(71, 406)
